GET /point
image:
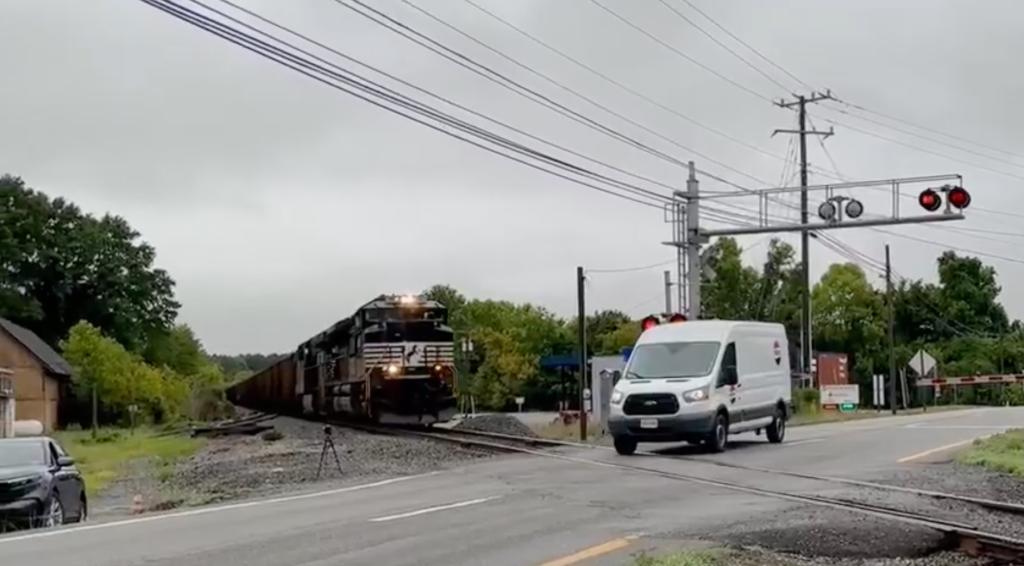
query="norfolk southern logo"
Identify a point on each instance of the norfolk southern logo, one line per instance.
(412, 352)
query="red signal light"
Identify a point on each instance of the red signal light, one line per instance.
(677, 317)
(648, 322)
(929, 200)
(959, 198)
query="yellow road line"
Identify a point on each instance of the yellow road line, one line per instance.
(592, 552)
(920, 455)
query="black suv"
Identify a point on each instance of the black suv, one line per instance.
(39, 484)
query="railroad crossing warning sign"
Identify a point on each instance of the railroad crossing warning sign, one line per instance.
(922, 363)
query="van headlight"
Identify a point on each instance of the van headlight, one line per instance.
(694, 395)
(617, 397)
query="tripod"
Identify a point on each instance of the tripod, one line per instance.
(328, 444)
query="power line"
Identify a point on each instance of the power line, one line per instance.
(927, 129)
(931, 243)
(327, 77)
(747, 45)
(757, 69)
(921, 149)
(412, 86)
(928, 138)
(570, 90)
(632, 269)
(611, 80)
(678, 52)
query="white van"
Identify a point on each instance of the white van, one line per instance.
(701, 381)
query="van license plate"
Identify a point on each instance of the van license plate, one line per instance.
(648, 423)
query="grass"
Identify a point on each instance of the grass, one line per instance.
(561, 431)
(102, 460)
(685, 558)
(821, 416)
(1001, 453)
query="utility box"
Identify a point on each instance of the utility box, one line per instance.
(832, 369)
(6, 403)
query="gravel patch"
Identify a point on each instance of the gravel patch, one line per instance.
(503, 424)
(816, 532)
(239, 466)
(763, 557)
(961, 480)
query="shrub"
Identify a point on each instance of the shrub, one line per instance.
(806, 401)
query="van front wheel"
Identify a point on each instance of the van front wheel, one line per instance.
(625, 445)
(718, 436)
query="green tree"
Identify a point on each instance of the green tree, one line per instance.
(177, 349)
(969, 294)
(848, 315)
(121, 379)
(623, 336)
(727, 285)
(447, 296)
(59, 266)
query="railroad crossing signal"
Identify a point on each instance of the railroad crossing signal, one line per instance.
(648, 322)
(929, 200)
(956, 197)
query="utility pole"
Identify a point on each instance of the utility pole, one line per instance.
(892, 331)
(805, 255)
(582, 347)
(668, 292)
(694, 239)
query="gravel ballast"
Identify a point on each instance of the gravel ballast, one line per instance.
(242, 465)
(503, 424)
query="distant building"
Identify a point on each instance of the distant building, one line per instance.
(40, 376)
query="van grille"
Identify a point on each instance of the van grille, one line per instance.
(651, 404)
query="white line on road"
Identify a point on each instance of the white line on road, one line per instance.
(920, 455)
(433, 509)
(958, 427)
(801, 442)
(205, 510)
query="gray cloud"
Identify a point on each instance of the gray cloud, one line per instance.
(279, 205)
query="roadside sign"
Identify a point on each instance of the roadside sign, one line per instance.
(878, 390)
(520, 401)
(847, 407)
(837, 395)
(922, 363)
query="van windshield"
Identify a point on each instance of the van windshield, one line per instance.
(672, 359)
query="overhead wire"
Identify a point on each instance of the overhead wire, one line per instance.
(747, 45)
(378, 96)
(927, 129)
(619, 84)
(927, 138)
(415, 87)
(566, 88)
(679, 52)
(756, 69)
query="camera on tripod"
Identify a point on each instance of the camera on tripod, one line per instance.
(327, 430)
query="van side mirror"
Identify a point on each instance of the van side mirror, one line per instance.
(732, 377)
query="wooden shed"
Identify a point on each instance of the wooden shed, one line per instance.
(40, 376)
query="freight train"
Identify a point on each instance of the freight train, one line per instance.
(392, 361)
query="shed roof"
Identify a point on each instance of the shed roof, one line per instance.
(51, 360)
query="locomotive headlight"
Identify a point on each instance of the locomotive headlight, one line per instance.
(393, 369)
(438, 368)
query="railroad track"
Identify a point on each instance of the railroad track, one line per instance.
(961, 536)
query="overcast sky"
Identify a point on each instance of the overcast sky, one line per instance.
(279, 205)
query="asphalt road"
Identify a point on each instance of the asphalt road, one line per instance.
(514, 510)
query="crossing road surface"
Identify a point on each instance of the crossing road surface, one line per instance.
(515, 510)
